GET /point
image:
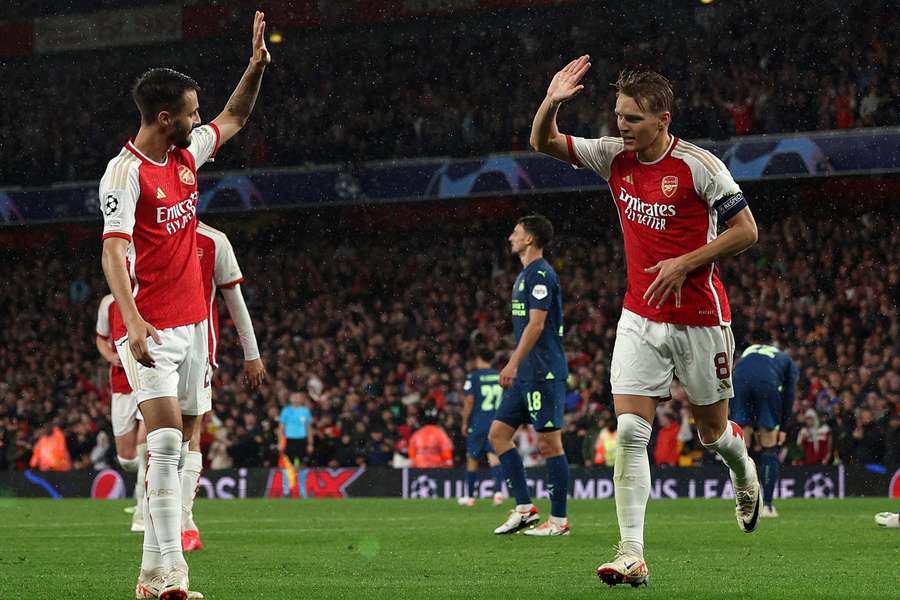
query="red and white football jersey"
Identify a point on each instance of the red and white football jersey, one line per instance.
(154, 206)
(219, 269)
(666, 210)
(108, 320)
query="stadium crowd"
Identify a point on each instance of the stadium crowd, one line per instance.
(370, 330)
(468, 84)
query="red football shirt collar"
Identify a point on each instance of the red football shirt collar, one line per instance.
(668, 151)
(144, 158)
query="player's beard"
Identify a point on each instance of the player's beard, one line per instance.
(182, 136)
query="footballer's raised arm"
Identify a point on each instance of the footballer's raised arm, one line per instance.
(241, 102)
(545, 136)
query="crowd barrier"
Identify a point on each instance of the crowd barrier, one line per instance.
(417, 484)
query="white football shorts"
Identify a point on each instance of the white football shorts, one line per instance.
(648, 353)
(181, 371)
(124, 413)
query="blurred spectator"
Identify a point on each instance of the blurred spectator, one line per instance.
(430, 447)
(815, 440)
(668, 448)
(602, 444)
(218, 456)
(869, 439)
(101, 455)
(50, 452)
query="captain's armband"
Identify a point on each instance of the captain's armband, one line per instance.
(730, 205)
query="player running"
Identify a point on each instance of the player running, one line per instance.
(219, 270)
(670, 196)
(534, 379)
(482, 397)
(765, 385)
(149, 197)
(127, 422)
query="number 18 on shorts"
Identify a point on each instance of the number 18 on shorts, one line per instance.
(540, 403)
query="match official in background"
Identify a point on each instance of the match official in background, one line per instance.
(295, 432)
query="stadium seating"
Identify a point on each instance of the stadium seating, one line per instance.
(374, 325)
(463, 85)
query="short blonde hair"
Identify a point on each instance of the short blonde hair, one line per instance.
(650, 90)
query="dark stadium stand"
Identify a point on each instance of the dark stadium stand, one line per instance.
(460, 85)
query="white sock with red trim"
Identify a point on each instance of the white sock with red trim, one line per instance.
(731, 447)
(193, 466)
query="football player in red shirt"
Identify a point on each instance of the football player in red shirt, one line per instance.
(670, 196)
(127, 423)
(220, 271)
(149, 198)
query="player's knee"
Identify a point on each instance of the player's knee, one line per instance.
(165, 444)
(498, 437)
(128, 464)
(549, 447)
(632, 431)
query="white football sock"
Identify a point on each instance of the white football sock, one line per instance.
(189, 478)
(631, 479)
(164, 493)
(141, 477)
(150, 558)
(182, 458)
(731, 447)
(128, 464)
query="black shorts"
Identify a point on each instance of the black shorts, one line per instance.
(295, 450)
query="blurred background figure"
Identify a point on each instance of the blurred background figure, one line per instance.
(295, 432)
(430, 446)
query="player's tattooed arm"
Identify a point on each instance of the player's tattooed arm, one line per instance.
(243, 99)
(672, 272)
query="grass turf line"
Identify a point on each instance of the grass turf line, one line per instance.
(364, 549)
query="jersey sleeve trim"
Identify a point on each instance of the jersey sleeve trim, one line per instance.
(143, 157)
(218, 140)
(231, 284)
(118, 234)
(572, 157)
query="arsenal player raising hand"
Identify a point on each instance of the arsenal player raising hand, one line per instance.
(149, 198)
(671, 197)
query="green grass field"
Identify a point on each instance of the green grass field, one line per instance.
(368, 549)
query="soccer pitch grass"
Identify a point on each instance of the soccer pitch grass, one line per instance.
(368, 549)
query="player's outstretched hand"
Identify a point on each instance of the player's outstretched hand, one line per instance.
(566, 84)
(260, 52)
(254, 372)
(671, 274)
(137, 342)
